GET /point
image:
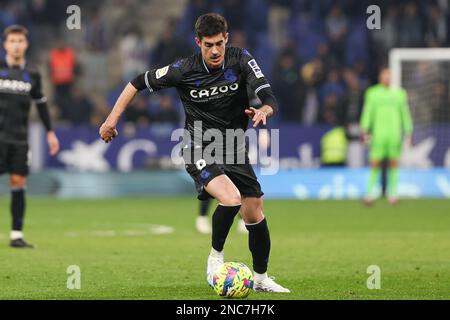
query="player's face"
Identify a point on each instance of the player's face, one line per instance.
(15, 45)
(385, 77)
(213, 49)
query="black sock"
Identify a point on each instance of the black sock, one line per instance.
(204, 204)
(222, 220)
(259, 244)
(17, 208)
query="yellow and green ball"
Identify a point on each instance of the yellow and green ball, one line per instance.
(233, 280)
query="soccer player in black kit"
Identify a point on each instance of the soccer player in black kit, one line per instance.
(20, 83)
(213, 89)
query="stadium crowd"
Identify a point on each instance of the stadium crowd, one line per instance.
(318, 54)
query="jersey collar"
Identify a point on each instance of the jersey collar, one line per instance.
(21, 66)
(206, 67)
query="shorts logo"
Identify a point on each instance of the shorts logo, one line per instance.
(205, 174)
(162, 72)
(256, 70)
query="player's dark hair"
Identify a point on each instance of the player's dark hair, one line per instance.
(210, 24)
(15, 28)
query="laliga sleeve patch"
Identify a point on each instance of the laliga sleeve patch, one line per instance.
(161, 72)
(256, 70)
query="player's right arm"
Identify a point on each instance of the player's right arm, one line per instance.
(152, 80)
(108, 129)
(366, 116)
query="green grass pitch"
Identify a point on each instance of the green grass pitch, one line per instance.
(320, 249)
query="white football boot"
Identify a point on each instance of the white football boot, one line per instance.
(215, 260)
(202, 225)
(369, 201)
(267, 284)
(393, 201)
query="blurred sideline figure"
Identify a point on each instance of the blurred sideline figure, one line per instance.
(385, 122)
(333, 147)
(19, 84)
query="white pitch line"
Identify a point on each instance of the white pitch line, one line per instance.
(149, 229)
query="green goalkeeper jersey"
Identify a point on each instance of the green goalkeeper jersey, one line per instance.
(386, 114)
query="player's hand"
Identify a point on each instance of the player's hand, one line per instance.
(53, 143)
(257, 116)
(108, 132)
(408, 142)
(365, 138)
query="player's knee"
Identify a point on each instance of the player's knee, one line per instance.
(254, 216)
(17, 182)
(253, 219)
(374, 164)
(252, 212)
(393, 163)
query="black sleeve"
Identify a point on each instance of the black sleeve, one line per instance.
(257, 81)
(157, 79)
(36, 90)
(41, 101)
(139, 82)
(44, 115)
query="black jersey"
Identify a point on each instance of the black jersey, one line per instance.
(18, 87)
(216, 97)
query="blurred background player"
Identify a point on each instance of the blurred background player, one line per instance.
(202, 222)
(19, 84)
(385, 121)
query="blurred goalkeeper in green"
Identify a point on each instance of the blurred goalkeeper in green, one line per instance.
(385, 123)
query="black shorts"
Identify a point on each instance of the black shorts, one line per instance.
(14, 158)
(242, 175)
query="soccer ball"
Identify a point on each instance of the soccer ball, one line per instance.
(233, 280)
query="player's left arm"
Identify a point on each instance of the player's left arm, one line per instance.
(406, 119)
(259, 84)
(41, 105)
